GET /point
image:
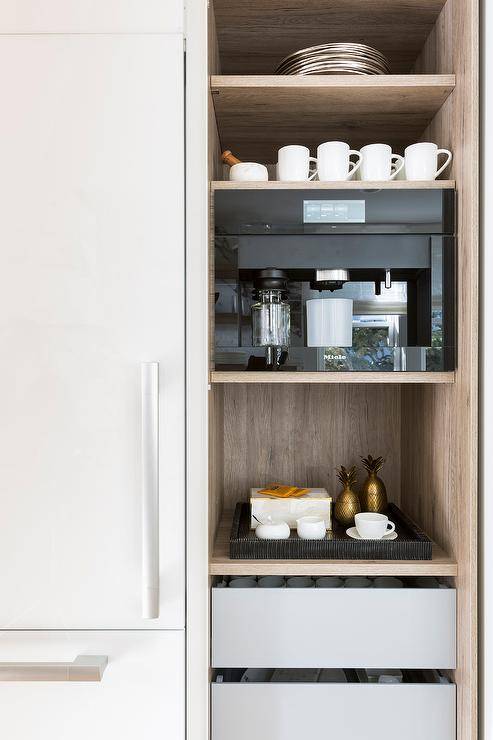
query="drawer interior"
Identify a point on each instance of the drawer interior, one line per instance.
(382, 676)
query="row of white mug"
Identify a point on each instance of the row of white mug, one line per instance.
(333, 163)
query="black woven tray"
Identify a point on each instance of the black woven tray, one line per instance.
(411, 543)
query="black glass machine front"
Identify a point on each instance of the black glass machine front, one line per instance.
(318, 280)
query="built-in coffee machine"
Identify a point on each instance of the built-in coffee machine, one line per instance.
(335, 280)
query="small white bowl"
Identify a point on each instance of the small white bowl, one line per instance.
(273, 531)
(248, 172)
(311, 528)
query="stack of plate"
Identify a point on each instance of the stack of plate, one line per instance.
(335, 59)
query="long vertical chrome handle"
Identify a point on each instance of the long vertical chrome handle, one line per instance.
(150, 490)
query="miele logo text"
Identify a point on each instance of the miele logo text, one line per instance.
(336, 357)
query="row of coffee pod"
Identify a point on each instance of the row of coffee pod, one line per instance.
(337, 162)
(272, 581)
(309, 582)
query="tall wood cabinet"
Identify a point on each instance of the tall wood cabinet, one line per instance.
(426, 423)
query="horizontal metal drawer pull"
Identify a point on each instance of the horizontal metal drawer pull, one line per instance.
(83, 668)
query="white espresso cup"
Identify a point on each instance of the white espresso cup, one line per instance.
(294, 164)
(373, 526)
(378, 163)
(334, 163)
(421, 161)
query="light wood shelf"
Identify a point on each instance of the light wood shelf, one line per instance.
(221, 564)
(349, 185)
(258, 114)
(223, 376)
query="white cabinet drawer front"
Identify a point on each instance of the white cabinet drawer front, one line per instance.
(141, 693)
(330, 628)
(355, 712)
(91, 16)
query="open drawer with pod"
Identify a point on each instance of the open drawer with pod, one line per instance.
(411, 627)
(270, 707)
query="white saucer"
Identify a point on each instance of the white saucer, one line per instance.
(353, 532)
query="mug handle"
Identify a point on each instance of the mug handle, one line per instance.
(315, 171)
(392, 528)
(447, 161)
(356, 165)
(394, 174)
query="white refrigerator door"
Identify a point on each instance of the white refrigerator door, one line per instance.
(91, 287)
(141, 693)
(91, 16)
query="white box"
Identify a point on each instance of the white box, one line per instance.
(316, 502)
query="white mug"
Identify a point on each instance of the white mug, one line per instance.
(372, 526)
(310, 528)
(422, 161)
(248, 171)
(334, 163)
(294, 164)
(378, 162)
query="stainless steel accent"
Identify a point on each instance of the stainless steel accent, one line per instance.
(335, 275)
(83, 668)
(150, 489)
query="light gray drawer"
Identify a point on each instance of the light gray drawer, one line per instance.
(353, 711)
(330, 628)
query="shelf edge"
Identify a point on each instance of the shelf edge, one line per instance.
(347, 185)
(332, 377)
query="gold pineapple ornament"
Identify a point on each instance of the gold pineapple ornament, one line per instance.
(373, 496)
(347, 503)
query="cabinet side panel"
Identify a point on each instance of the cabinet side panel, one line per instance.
(439, 477)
